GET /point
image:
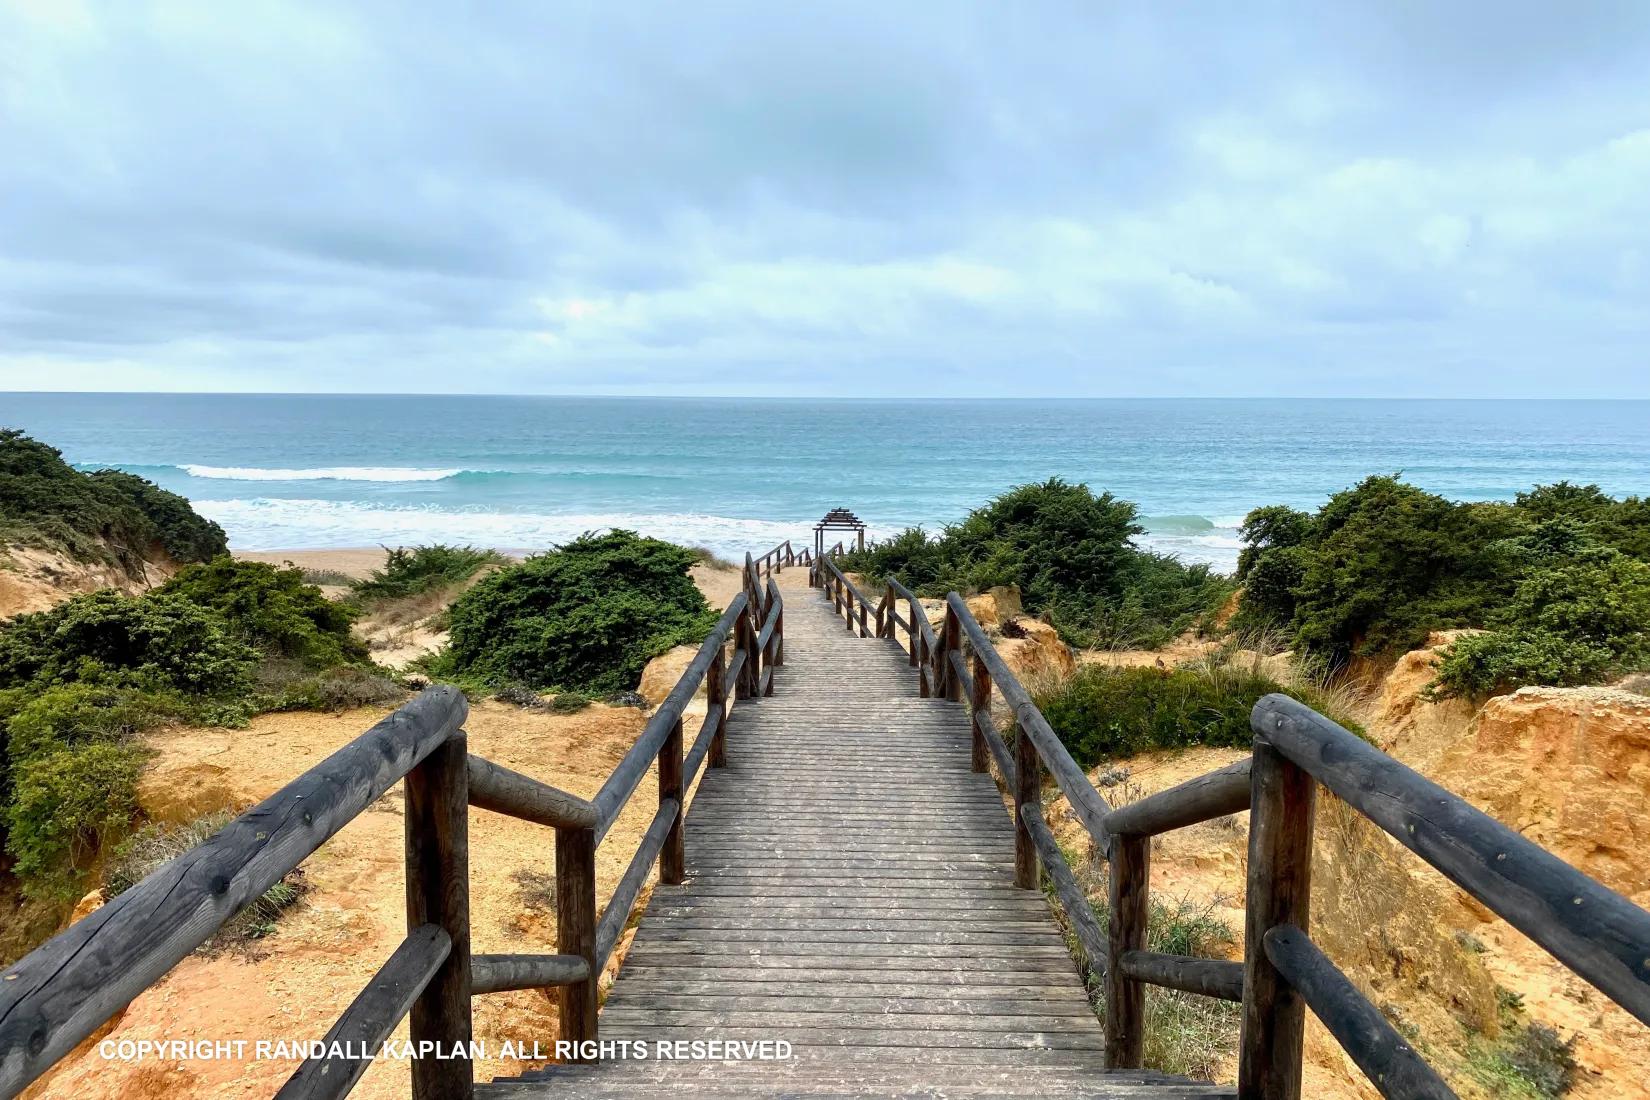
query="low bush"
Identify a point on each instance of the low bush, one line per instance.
(159, 641)
(416, 570)
(1573, 620)
(344, 687)
(1070, 552)
(272, 609)
(585, 617)
(1102, 712)
(108, 516)
(569, 702)
(65, 804)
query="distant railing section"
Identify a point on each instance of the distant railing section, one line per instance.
(1591, 929)
(780, 557)
(60, 993)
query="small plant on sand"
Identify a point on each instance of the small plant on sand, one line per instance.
(153, 846)
(413, 571)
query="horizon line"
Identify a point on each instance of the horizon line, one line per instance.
(837, 398)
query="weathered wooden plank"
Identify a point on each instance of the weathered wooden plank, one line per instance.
(497, 788)
(437, 841)
(1278, 891)
(1202, 799)
(1207, 977)
(623, 899)
(499, 973)
(59, 993)
(1387, 1059)
(371, 1017)
(1073, 902)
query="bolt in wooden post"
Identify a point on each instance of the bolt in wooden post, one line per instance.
(673, 856)
(1028, 788)
(576, 931)
(1282, 802)
(716, 696)
(438, 893)
(1125, 998)
(979, 705)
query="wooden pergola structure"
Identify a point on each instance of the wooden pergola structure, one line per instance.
(838, 519)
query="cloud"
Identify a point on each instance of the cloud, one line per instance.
(1051, 198)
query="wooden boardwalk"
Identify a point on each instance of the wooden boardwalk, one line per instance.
(850, 890)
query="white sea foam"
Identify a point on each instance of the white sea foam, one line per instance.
(272, 524)
(324, 473)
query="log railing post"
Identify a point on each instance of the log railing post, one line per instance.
(1126, 998)
(979, 706)
(576, 932)
(1282, 801)
(1028, 788)
(779, 636)
(744, 641)
(848, 604)
(753, 660)
(716, 706)
(953, 644)
(673, 856)
(437, 815)
(913, 633)
(924, 670)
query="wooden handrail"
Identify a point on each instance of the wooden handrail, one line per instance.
(58, 994)
(1600, 935)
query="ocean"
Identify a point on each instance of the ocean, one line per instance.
(523, 473)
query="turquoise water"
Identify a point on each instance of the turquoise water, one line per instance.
(285, 472)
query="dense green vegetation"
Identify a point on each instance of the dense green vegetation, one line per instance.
(272, 609)
(107, 516)
(79, 682)
(1561, 578)
(1069, 551)
(413, 571)
(1102, 712)
(585, 617)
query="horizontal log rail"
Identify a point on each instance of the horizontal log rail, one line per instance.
(63, 991)
(1598, 934)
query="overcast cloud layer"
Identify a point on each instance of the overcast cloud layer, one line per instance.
(1437, 199)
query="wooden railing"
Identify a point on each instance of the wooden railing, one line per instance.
(781, 556)
(1597, 933)
(60, 993)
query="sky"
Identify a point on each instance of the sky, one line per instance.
(1391, 198)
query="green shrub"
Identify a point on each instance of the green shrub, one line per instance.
(1071, 554)
(1103, 712)
(66, 804)
(108, 516)
(161, 641)
(1383, 564)
(76, 714)
(420, 569)
(585, 617)
(1576, 621)
(569, 702)
(344, 687)
(274, 610)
